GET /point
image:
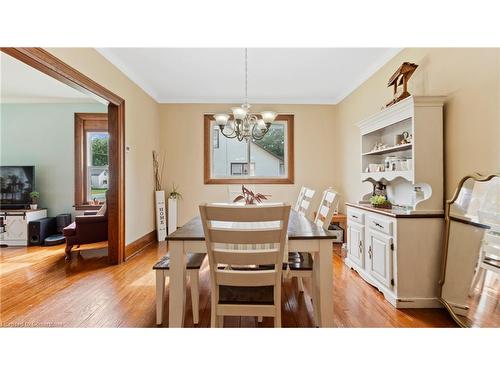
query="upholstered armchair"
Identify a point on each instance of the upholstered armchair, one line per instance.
(86, 229)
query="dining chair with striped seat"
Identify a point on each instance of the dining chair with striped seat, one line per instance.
(239, 287)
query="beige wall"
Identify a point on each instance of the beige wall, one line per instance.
(469, 78)
(141, 134)
(326, 138)
(181, 136)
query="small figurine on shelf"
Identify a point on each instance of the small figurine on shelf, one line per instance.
(379, 189)
(379, 146)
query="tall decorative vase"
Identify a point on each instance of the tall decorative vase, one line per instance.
(161, 225)
(172, 215)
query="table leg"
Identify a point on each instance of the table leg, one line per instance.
(323, 277)
(160, 295)
(177, 288)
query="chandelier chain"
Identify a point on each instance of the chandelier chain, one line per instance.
(246, 76)
(245, 125)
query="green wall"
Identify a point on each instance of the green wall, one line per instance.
(43, 135)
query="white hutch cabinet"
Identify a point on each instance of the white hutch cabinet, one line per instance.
(398, 250)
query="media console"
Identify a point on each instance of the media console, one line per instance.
(14, 225)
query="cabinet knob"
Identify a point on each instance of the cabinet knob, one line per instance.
(370, 252)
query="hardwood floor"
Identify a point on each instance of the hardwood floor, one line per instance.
(39, 289)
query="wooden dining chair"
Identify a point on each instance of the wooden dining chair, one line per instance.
(305, 197)
(300, 264)
(489, 260)
(239, 286)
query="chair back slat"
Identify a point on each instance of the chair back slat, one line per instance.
(245, 257)
(307, 196)
(243, 236)
(327, 207)
(242, 214)
(300, 198)
(245, 278)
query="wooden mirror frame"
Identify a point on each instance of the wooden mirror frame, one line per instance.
(47, 63)
(477, 178)
(207, 174)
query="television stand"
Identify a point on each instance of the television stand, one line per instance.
(15, 225)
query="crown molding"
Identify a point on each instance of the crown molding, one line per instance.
(372, 68)
(118, 63)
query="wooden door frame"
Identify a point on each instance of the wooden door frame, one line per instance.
(81, 177)
(47, 63)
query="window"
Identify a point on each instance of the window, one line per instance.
(97, 165)
(240, 169)
(269, 160)
(91, 159)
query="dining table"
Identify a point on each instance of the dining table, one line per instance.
(303, 236)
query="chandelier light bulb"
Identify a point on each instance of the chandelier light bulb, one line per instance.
(268, 116)
(239, 113)
(221, 119)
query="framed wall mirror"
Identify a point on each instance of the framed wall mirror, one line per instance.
(470, 284)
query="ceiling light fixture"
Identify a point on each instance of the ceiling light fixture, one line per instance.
(242, 124)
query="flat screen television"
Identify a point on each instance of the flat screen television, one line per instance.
(16, 184)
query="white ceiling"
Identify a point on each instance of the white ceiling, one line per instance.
(20, 83)
(275, 75)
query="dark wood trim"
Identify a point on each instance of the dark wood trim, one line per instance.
(116, 200)
(81, 128)
(47, 63)
(87, 207)
(207, 136)
(135, 247)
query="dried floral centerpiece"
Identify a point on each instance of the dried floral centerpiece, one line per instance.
(250, 197)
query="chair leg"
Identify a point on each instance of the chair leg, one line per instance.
(160, 295)
(277, 306)
(67, 251)
(483, 280)
(300, 283)
(277, 318)
(213, 316)
(194, 279)
(220, 321)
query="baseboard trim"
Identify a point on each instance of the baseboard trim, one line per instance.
(419, 303)
(135, 247)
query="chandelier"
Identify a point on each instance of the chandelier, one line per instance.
(242, 124)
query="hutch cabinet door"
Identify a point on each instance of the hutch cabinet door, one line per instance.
(380, 257)
(355, 240)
